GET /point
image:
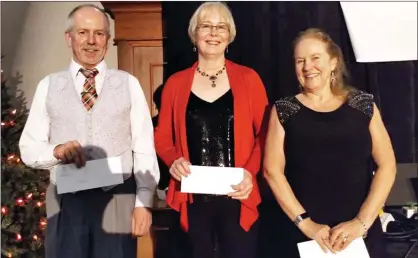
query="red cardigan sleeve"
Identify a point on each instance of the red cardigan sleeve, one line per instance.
(259, 105)
(163, 133)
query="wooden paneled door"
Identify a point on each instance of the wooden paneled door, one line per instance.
(139, 40)
(144, 60)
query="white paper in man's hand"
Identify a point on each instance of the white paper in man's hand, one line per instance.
(95, 174)
(311, 249)
(211, 180)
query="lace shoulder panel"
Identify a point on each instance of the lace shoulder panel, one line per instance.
(286, 107)
(362, 101)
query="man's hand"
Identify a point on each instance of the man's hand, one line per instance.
(141, 221)
(70, 152)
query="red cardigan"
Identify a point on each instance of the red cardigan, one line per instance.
(250, 104)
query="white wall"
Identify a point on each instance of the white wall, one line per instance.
(42, 49)
(11, 30)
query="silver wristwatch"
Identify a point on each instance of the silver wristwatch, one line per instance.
(300, 217)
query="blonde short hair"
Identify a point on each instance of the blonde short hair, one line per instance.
(206, 7)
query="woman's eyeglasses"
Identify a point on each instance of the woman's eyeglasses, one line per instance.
(206, 28)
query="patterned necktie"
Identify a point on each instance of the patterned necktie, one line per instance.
(89, 94)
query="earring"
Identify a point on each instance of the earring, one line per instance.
(194, 49)
(332, 78)
(227, 50)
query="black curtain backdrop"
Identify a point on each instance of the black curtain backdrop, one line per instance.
(265, 31)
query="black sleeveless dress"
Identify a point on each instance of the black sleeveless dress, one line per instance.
(328, 165)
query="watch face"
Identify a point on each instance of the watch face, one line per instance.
(297, 220)
(300, 217)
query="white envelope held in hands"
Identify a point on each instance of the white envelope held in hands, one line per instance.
(211, 180)
(95, 174)
(311, 249)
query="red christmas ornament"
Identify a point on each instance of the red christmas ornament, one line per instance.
(39, 204)
(43, 222)
(18, 237)
(29, 196)
(13, 158)
(3, 210)
(20, 202)
(35, 237)
(13, 112)
(3, 123)
(12, 123)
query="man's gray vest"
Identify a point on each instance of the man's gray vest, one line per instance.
(105, 130)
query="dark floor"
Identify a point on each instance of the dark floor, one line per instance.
(398, 250)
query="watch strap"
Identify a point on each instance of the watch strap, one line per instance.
(301, 217)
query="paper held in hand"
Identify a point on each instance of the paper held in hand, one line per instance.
(211, 180)
(95, 174)
(311, 249)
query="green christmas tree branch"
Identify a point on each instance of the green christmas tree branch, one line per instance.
(23, 189)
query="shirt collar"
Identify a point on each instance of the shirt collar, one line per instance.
(75, 68)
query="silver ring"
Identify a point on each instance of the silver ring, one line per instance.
(344, 237)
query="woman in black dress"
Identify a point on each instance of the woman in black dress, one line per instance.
(319, 155)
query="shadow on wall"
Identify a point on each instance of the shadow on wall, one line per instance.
(404, 189)
(414, 182)
(13, 18)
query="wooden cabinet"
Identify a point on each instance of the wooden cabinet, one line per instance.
(139, 40)
(143, 59)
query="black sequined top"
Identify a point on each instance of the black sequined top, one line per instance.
(210, 131)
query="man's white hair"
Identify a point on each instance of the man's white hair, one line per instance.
(70, 18)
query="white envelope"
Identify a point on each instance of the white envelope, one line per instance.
(95, 174)
(211, 180)
(311, 249)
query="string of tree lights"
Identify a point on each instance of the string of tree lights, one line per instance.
(23, 216)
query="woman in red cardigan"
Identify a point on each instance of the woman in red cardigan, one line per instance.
(211, 115)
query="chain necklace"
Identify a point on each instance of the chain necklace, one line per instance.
(213, 78)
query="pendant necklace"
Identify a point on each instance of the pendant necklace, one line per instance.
(213, 78)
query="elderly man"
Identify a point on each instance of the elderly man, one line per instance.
(84, 113)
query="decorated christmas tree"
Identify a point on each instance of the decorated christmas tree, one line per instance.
(23, 217)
